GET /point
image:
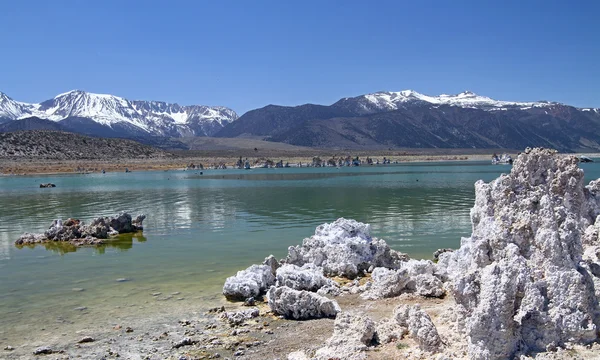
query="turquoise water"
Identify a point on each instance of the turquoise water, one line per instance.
(202, 228)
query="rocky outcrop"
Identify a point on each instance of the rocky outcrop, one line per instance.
(520, 280)
(306, 277)
(300, 305)
(352, 335)
(252, 282)
(344, 248)
(78, 233)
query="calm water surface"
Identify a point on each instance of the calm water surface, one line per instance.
(202, 228)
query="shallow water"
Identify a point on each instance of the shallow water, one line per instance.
(202, 228)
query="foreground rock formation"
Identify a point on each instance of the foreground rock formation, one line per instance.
(78, 233)
(526, 282)
(519, 281)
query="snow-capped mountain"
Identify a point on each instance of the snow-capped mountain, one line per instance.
(389, 101)
(408, 119)
(140, 117)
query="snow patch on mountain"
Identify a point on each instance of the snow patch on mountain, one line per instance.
(388, 101)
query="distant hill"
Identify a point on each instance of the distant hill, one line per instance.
(89, 127)
(407, 119)
(58, 145)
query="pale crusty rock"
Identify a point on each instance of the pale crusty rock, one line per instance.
(388, 330)
(297, 355)
(239, 317)
(252, 282)
(419, 325)
(520, 281)
(306, 277)
(344, 248)
(300, 305)
(386, 283)
(352, 335)
(272, 262)
(413, 276)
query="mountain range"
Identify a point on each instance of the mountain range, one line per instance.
(408, 119)
(401, 119)
(107, 113)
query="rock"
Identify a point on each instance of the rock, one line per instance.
(332, 289)
(137, 222)
(520, 279)
(252, 282)
(249, 302)
(386, 283)
(438, 252)
(86, 339)
(122, 280)
(79, 234)
(352, 334)
(388, 330)
(297, 355)
(80, 308)
(44, 350)
(128, 329)
(344, 248)
(9, 348)
(294, 304)
(413, 276)
(29, 238)
(239, 317)
(183, 342)
(47, 185)
(77, 289)
(307, 277)
(272, 262)
(419, 325)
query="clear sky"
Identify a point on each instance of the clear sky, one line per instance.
(247, 54)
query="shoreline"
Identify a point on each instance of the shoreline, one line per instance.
(27, 167)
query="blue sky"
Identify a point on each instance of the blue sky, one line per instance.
(247, 54)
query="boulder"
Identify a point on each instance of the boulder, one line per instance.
(344, 248)
(520, 281)
(306, 277)
(300, 305)
(352, 335)
(252, 282)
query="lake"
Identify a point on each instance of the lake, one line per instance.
(201, 229)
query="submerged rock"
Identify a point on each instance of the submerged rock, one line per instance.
(77, 233)
(344, 248)
(294, 304)
(252, 282)
(519, 280)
